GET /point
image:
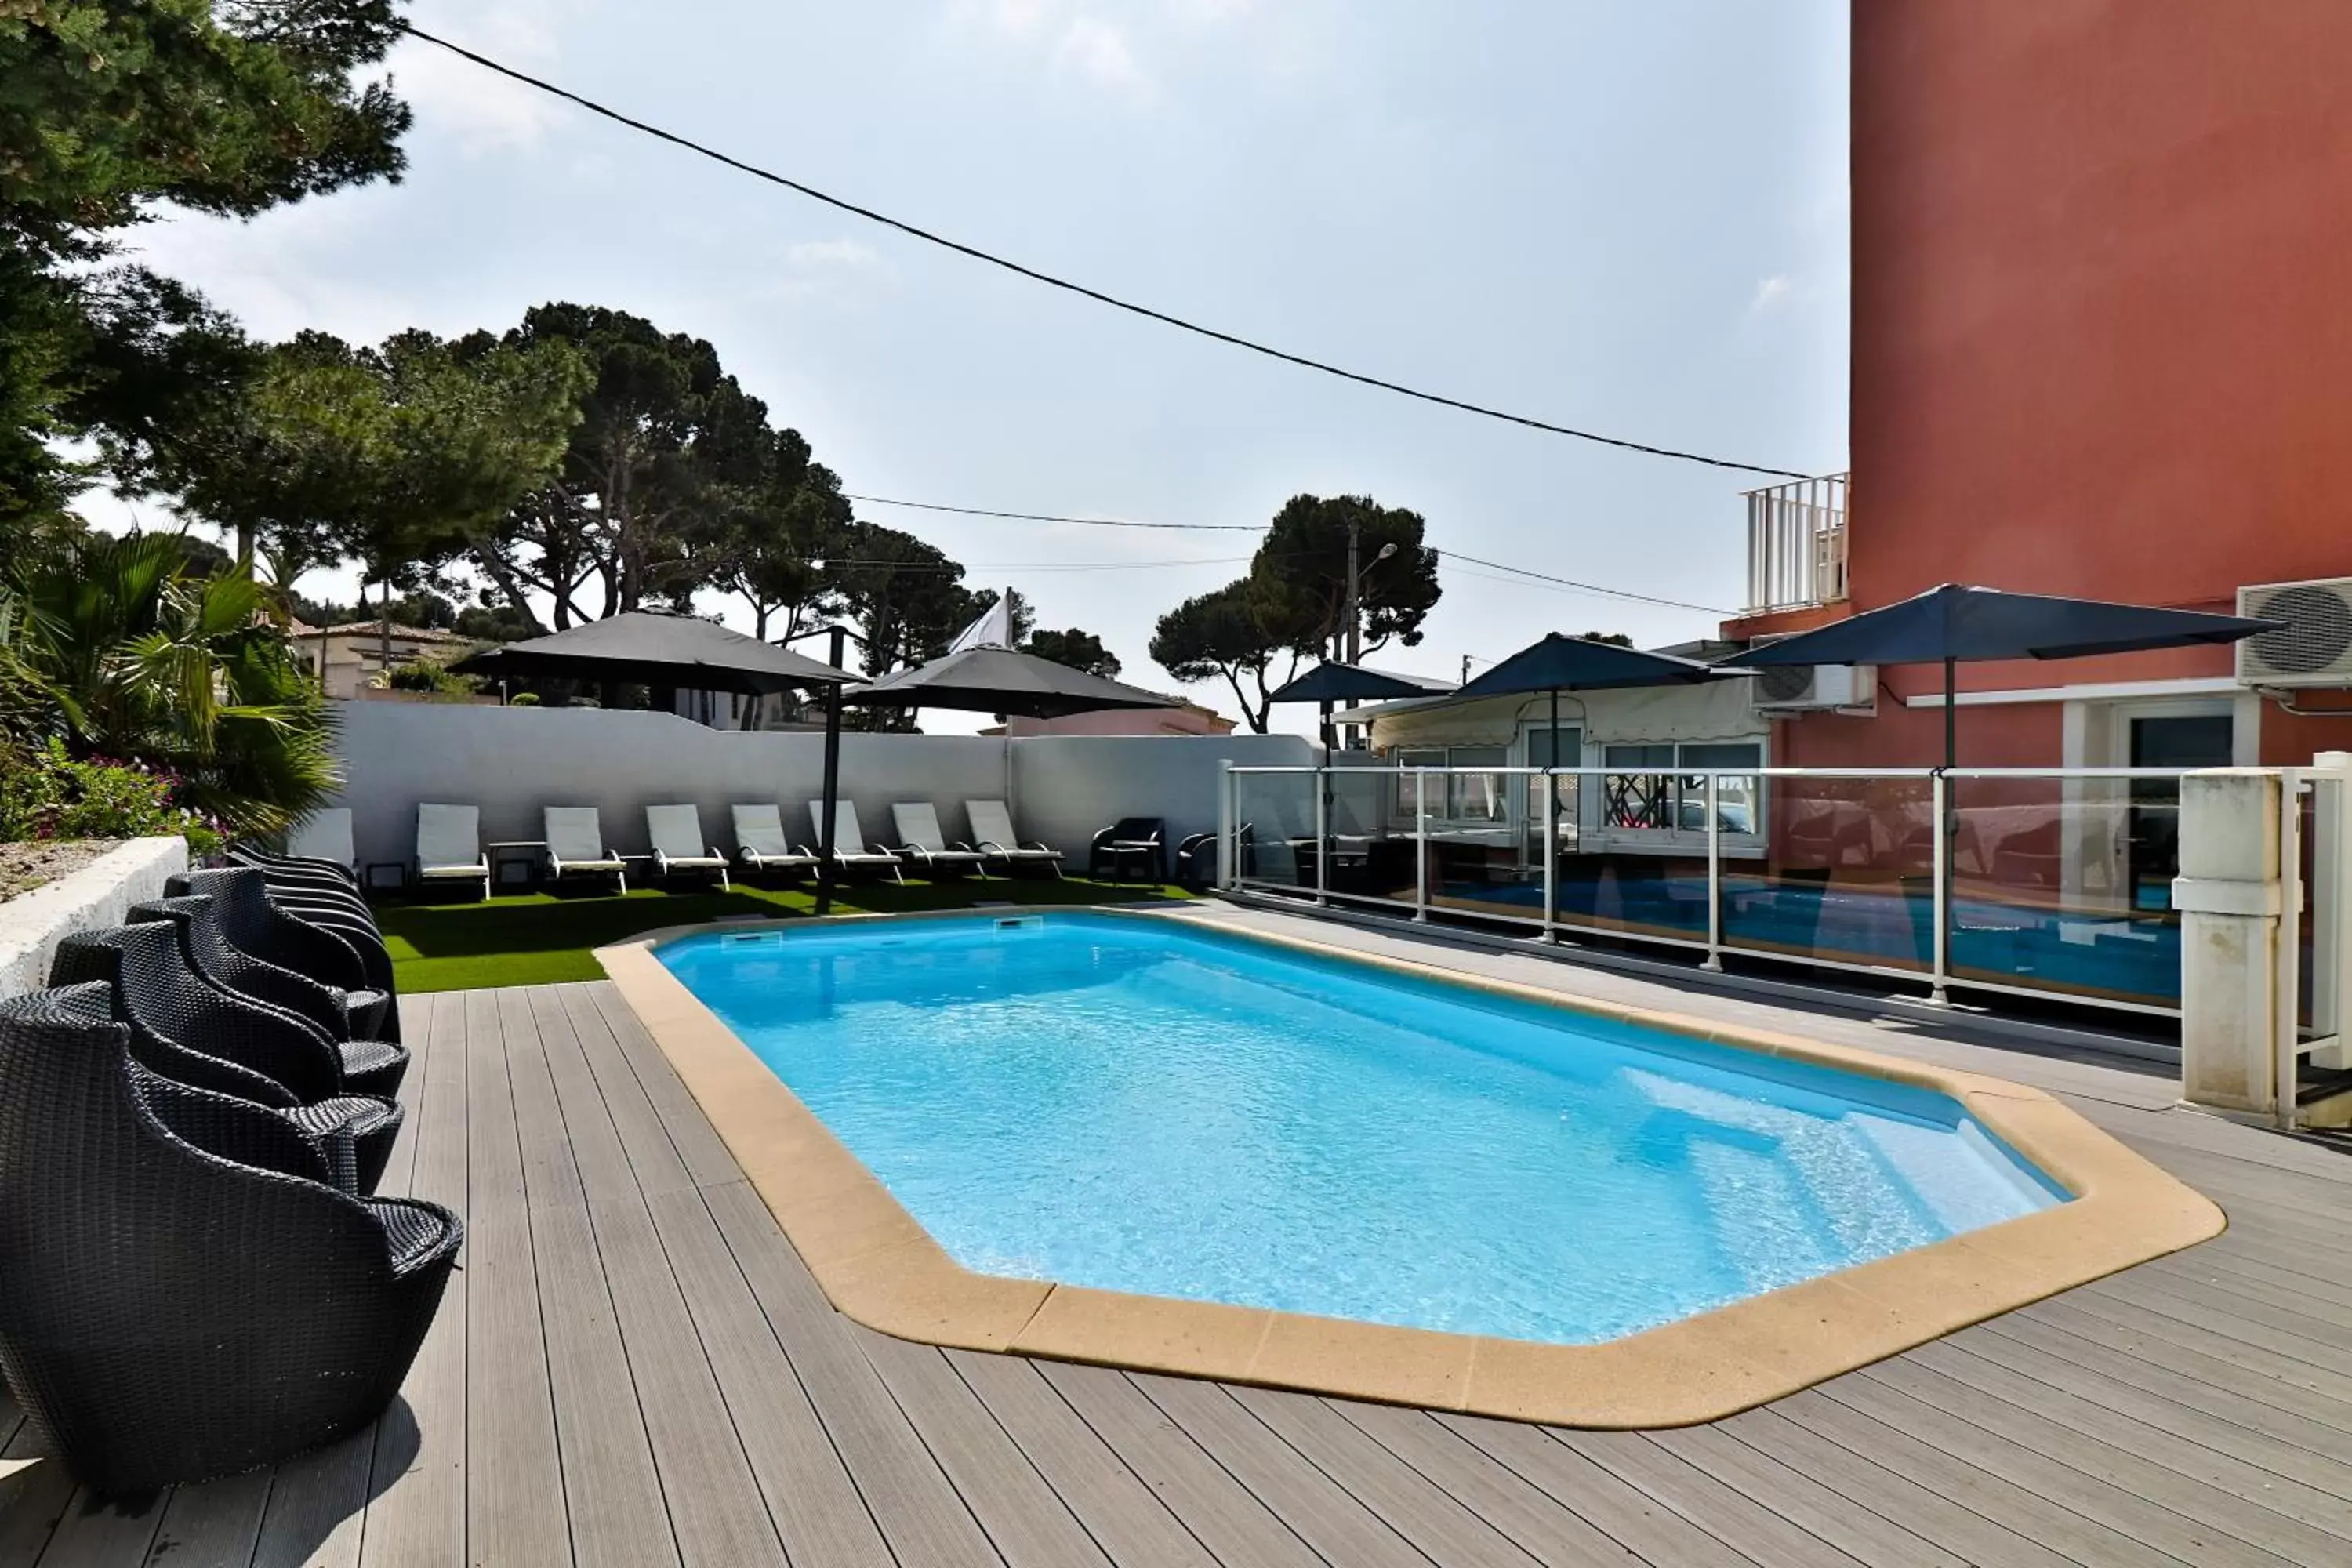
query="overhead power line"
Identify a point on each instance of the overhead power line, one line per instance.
(1521, 571)
(1097, 295)
(1047, 517)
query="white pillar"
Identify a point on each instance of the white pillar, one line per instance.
(2229, 900)
(2331, 933)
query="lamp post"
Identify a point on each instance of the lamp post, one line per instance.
(1353, 647)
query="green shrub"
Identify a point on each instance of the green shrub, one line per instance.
(425, 675)
(45, 793)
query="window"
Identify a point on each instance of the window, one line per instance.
(1663, 787)
(1409, 785)
(1454, 797)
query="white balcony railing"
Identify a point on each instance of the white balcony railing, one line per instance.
(1796, 545)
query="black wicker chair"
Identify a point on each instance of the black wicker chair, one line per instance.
(231, 969)
(331, 872)
(261, 927)
(170, 1314)
(183, 1030)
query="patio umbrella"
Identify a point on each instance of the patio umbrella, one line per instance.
(1559, 664)
(1003, 680)
(990, 679)
(675, 652)
(1332, 682)
(1952, 623)
(681, 653)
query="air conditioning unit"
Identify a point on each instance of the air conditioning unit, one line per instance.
(2315, 647)
(1803, 687)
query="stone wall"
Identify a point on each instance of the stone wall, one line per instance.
(97, 896)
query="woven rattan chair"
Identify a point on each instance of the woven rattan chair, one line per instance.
(168, 1313)
(277, 934)
(231, 969)
(186, 1030)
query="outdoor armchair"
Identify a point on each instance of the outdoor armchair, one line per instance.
(849, 847)
(575, 846)
(169, 1314)
(1196, 862)
(1141, 839)
(449, 846)
(993, 836)
(185, 1030)
(227, 968)
(922, 844)
(676, 835)
(760, 842)
(339, 952)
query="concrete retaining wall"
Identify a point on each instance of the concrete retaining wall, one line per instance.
(511, 761)
(97, 896)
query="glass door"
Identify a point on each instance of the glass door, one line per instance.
(1549, 748)
(2153, 834)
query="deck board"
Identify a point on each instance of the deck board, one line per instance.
(634, 1368)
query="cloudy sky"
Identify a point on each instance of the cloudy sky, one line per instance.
(1625, 217)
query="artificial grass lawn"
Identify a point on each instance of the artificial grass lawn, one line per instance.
(539, 939)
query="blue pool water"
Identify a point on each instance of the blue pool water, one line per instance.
(1144, 1107)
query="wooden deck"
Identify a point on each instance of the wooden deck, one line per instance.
(634, 1369)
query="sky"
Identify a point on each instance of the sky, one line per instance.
(1631, 219)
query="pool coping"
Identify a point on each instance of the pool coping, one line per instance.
(880, 1268)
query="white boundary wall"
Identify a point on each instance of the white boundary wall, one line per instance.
(511, 761)
(97, 895)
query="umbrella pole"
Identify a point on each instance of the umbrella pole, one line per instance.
(1951, 714)
(832, 781)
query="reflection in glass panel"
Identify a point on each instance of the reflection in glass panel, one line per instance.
(1638, 799)
(2049, 887)
(1846, 876)
(1476, 796)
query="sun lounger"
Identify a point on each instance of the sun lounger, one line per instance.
(575, 846)
(449, 846)
(992, 836)
(325, 836)
(849, 848)
(760, 842)
(676, 835)
(924, 847)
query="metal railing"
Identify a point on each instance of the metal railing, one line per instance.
(2053, 884)
(1796, 544)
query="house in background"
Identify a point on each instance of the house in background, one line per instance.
(2099, 323)
(349, 657)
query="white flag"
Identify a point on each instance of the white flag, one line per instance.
(993, 629)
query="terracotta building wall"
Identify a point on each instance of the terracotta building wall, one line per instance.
(2102, 320)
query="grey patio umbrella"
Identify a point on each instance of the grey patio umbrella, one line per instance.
(682, 653)
(1949, 624)
(1003, 680)
(677, 652)
(1333, 682)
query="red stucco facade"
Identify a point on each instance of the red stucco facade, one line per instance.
(2102, 330)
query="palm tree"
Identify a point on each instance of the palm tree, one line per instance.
(122, 648)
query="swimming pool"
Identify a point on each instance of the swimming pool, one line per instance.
(1140, 1106)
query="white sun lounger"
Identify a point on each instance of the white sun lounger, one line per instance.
(575, 846)
(325, 836)
(849, 843)
(760, 843)
(992, 836)
(449, 846)
(924, 846)
(676, 835)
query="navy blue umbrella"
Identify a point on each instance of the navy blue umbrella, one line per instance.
(1331, 682)
(1558, 664)
(1354, 683)
(1952, 623)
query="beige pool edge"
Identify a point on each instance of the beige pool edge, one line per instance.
(880, 1268)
